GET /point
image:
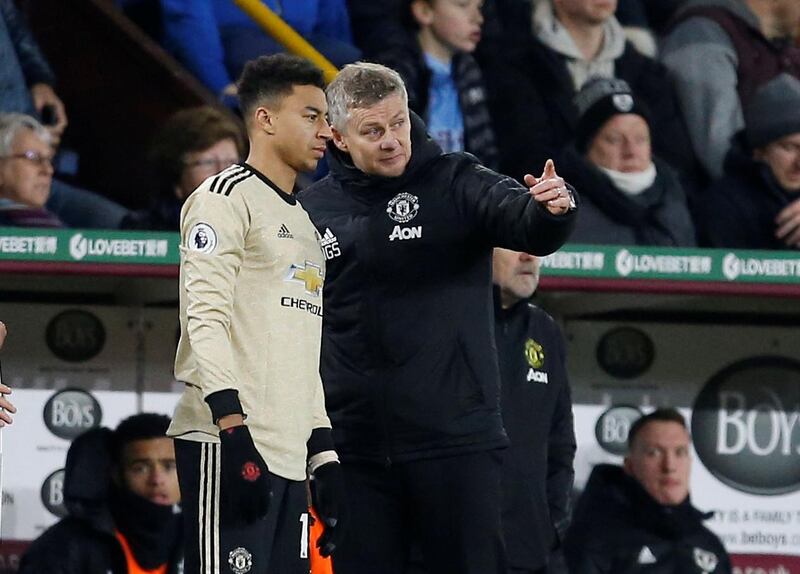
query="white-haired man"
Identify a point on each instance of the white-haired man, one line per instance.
(408, 362)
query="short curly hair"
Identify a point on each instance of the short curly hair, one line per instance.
(142, 426)
(268, 78)
(187, 131)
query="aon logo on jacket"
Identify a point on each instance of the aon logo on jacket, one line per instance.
(402, 233)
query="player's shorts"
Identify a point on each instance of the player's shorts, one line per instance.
(276, 544)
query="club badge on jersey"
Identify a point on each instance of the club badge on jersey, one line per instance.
(534, 355)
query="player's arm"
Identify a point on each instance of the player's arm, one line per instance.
(213, 236)
(327, 485)
(213, 231)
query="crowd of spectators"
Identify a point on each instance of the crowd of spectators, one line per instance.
(675, 120)
(678, 122)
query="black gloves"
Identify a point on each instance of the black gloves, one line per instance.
(246, 491)
(328, 498)
(327, 489)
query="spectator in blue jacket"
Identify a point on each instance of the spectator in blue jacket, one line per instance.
(444, 83)
(214, 38)
(25, 76)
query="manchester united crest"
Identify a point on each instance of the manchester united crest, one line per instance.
(403, 207)
(240, 560)
(534, 354)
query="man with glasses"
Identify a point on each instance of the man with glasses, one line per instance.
(30, 197)
(26, 173)
(191, 146)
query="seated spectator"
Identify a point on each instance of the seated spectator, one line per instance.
(640, 518)
(444, 83)
(628, 195)
(214, 38)
(756, 204)
(532, 91)
(30, 197)
(719, 52)
(121, 493)
(28, 82)
(191, 146)
(26, 172)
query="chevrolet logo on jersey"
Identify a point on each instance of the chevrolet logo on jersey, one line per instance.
(309, 275)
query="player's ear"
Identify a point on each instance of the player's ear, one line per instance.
(338, 139)
(264, 118)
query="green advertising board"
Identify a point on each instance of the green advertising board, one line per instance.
(584, 261)
(88, 246)
(722, 265)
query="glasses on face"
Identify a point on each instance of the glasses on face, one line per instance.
(216, 164)
(42, 160)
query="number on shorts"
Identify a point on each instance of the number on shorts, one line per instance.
(304, 535)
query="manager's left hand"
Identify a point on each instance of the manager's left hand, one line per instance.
(550, 190)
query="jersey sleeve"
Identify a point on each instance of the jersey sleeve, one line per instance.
(321, 419)
(213, 231)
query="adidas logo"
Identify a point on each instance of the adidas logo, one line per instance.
(646, 556)
(328, 238)
(329, 244)
(284, 233)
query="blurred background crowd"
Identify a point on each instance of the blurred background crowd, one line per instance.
(678, 121)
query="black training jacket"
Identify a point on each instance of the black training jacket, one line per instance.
(408, 358)
(618, 528)
(537, 413)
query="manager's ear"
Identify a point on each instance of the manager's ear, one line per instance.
(338, 139)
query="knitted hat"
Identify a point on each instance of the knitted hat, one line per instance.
(598, 101)
(774, 111)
